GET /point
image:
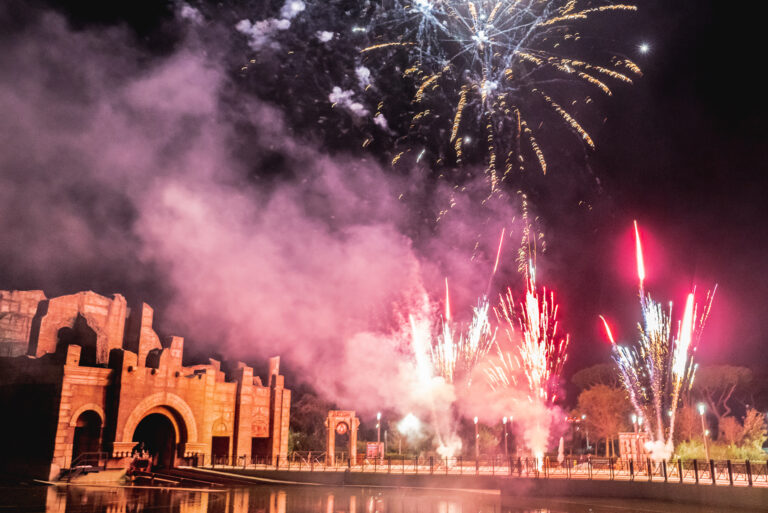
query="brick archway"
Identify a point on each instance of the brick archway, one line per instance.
(161, 399)
(90, 406)
(85, 434)
(341, 421)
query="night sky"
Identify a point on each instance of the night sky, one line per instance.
(682, 151)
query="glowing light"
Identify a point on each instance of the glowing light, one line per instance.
(639, 257)
(702, 408)
(644, 47)
(607, 330)
(409, 424)
(447, 302)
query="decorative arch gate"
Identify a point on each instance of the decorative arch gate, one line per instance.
(341, 422)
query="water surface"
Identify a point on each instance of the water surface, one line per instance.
(305, 499)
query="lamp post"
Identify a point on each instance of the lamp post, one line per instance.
(506, 442)
(702, 409)
(378, 434)
(477, 442)
(586, 430)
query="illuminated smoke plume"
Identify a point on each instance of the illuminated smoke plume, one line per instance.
(150, 176)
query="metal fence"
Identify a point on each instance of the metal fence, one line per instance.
(702, 472)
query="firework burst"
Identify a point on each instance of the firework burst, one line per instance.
(495, 61)
(660, 366)
(541, 351)
(455, 352)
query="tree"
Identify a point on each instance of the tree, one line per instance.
(730, 430)
(607, 410)
(600, 374)
(717, 384)
(687, 424)
(754, 431)
(308, 416)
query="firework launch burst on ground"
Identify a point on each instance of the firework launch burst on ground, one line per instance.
(659, 367)
(542, 352)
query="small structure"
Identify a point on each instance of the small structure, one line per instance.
(84, 374)
(341, 422)
(632, 446)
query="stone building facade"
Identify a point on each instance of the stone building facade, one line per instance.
(84, 374)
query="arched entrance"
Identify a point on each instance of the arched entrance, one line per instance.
(159, 434)
(87, 437)
(341, 422)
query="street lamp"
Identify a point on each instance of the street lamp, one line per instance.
(704, 431)
(506, 442)
(378, 434)
(477, 442)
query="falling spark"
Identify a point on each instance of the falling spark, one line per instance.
(496, 264)
(498, 252)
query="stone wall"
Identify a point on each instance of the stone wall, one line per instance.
(17, 312)
(88, 354)
(106, 317)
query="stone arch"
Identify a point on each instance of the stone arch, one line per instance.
(341, 422)
(158, 400)
(172, 417)
(84, 408)
(85, 436)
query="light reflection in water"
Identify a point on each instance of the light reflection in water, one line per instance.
(305, 499)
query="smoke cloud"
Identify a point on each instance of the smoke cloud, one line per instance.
(146, 175)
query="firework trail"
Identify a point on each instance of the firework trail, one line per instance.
(659, 366)
(541, 351)
(456, 352)
(495, 60)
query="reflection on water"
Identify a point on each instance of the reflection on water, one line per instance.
(302, 500)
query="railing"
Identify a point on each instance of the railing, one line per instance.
(92, 459)
(702, 472)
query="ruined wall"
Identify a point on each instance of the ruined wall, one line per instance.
(106, 317)
(17, 312)
(85, 353)
(83, 389)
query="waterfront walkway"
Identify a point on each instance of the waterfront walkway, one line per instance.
(701, 472)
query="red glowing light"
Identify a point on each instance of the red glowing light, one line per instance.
(639, 256)
(608, 330)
